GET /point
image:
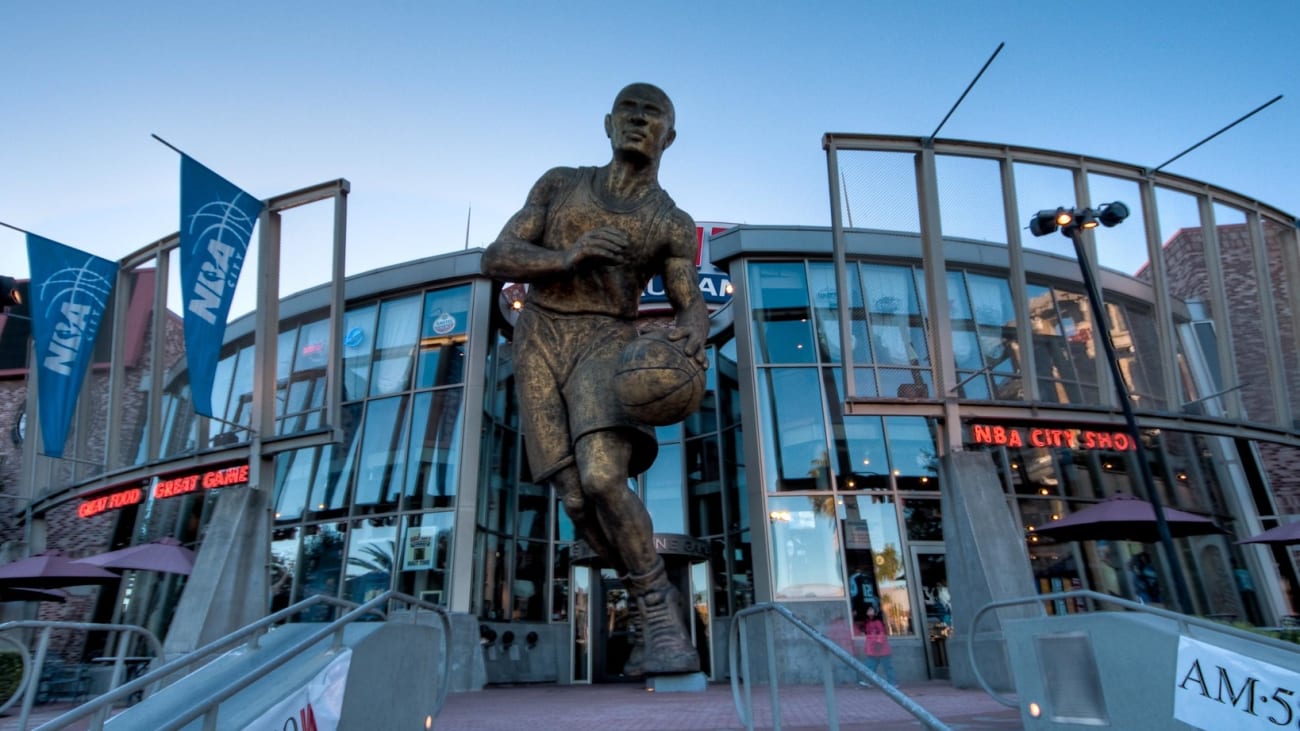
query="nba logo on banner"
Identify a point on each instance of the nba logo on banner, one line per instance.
(217, 219)
(70, 291)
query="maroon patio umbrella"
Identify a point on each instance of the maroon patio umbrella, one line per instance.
(50, 570)
(27, 594)
(1287, 534)
(1125, 518)
(164, 554)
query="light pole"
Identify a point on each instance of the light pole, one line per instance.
(1072, 223)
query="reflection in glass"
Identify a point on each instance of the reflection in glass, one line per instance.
(781, 313)
(372, 556)
(394, 346)
(876, 573)
(1237, 249)
(1278, 240)
(663, 490)
(383, 452)
(358, 343)
(795, 450)
(805, 547)
(434, 455)
(320, 567)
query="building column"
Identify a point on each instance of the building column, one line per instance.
(987, 562)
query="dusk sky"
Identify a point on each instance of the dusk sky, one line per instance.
(431, 108)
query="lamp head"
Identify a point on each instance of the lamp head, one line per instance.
(1113, 213)
(1047, 221)
(1087, 218)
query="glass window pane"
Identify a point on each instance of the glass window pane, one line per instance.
(663, 490)
(862, 463)
(1279, 239)
(358, 343)
(330, 489)
(1245, 312)
(826, 310)
(897, 328)
(442, 338)
(1187, 274)
(794, 434)
(395, 345)
(995, 317)
(372, 553)
(781, 312)
(294, 472)
(284, 566)
(924, 519)
(705, 491)
(320, 568)
(426, 554)
(873, 552)
(383, 452)
(805, 547)
(434, 460)
(912, 455)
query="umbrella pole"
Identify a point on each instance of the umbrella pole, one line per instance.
(1126, 403)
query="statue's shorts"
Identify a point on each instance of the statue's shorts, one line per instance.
(564, 371)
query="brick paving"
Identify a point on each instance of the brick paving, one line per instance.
(628, 707)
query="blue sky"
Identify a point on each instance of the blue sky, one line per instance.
(429, 108)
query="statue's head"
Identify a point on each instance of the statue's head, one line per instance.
(642, 122)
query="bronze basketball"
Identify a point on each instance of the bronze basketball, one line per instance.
(656, 382)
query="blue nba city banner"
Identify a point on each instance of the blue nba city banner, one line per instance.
(217, 221)
(69, 291)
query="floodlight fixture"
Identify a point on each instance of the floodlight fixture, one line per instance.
(1045, 222)
(1071, 220)
(1112, 214)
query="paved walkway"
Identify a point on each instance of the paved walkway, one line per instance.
(628, 707)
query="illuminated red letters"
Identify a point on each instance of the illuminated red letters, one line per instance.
(1051, 437)
(165, 488)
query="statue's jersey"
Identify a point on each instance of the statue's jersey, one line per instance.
(607, 289)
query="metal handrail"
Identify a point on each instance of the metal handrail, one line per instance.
(1183, 620)
(29, 685)
(738, 655)
(208, 707)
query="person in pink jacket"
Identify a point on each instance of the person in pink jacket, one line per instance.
(876, 646)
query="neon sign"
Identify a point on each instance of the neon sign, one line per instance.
(1072, 438)
(112, 501)
(165, 488)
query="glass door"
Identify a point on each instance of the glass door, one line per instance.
(936, 605)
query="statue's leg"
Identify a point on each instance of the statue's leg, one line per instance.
(602, 459)
(585, 522)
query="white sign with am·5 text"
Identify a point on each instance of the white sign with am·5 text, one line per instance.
(1215, 688)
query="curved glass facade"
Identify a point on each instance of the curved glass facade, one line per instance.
(851, 363)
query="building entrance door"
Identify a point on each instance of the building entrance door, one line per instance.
(936, 605)
(603, 614)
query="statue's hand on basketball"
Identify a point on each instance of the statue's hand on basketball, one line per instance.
(691, 343)
(604, 245)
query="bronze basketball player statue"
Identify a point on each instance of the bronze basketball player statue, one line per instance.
(587, 242)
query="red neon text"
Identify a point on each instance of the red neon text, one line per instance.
(1086, 439)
